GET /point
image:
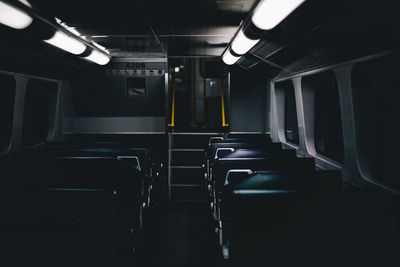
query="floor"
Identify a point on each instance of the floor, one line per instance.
(179, 235)
(353, 230)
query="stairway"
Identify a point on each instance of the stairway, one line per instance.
(186, 166)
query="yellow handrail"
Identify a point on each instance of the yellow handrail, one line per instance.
(224, 124)
(172, 124)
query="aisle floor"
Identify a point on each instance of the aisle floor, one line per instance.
(179, 235)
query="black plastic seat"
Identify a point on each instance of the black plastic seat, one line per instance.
(212, 149)
(135, 157)
(216, 150)
(224, 168)
(96, 200)
(261, 153)
(65, 226)
(262, 209)
(140, 154)
(274, 162)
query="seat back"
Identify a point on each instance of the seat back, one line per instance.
(212, 149)
(223, 165)
(90, 205)
(260, 153)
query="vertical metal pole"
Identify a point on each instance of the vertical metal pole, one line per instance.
(203, 66)
(170, 145)
(193, 122)
(229, 98)
(224, 124)
(172, 124)
(166, 94)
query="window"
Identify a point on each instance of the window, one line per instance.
(376, 94)
(7, 98)
(136, 87)
(328, 134)
(39, 111)
(291, 125)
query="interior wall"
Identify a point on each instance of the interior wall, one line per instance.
(354, 168)
(103, 102)
(249, 103)
(119, 125)
(66, 117)
(59, 115)
(306, 144)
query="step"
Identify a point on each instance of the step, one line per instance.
(193, 141)
(187, 157)
(187, 176)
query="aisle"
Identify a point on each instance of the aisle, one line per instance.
(179, 235)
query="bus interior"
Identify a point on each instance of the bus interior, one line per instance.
(173, 133)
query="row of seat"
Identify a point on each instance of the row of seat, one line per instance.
(253, 183)
(84, 203)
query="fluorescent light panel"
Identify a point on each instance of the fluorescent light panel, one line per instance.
(229, 59)
(100, 47)
(14, 17)
(269, 13)
(72, 30)
(242, 44)
(67, 43)
(98, 57)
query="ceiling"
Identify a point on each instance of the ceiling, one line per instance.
(155, 28)
(325, 32)
(319, 33)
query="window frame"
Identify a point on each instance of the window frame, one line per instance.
(285, 89)
(365, 165)
(309, 98)
(53, 111)
(7, 144)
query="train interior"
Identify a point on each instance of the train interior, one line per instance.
(199, 133)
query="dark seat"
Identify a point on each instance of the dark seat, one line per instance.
(226, 167)
(212, 148)
(283, 219)
(66, 227)
(136, 157)
(280, 161)
(149, 151)
(263, 208)
(254, 136)
(265, 152)
(254, 153)
(141, 154)
(241, 138)
(226, 148)
(98, 200)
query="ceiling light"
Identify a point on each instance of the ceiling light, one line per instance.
(229, 59)
(242, 44)
(98, 57)
(100, 47)
(72, 30)
(270, 13)
(67, 43)
(14, 17)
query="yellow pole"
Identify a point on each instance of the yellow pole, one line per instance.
(172, 124)
(224, 124)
